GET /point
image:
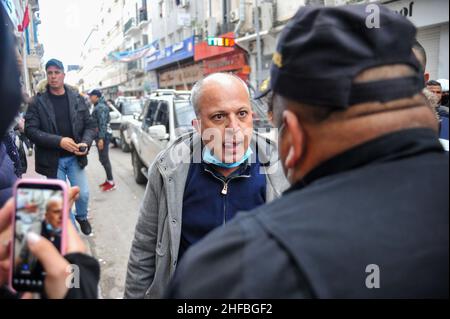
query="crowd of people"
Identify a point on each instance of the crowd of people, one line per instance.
(358, 176)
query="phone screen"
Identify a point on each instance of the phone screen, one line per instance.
(39, 209)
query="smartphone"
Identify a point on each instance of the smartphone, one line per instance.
(41, 206)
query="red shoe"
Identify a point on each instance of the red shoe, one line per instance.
(103, 185)
(109, 187)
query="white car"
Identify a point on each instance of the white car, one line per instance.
(121, 113)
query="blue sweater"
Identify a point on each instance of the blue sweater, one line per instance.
(211, 200)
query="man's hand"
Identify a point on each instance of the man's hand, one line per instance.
(81, 145)
(55, 265)
(100, 145)
(69, 145)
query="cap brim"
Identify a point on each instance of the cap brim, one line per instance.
(262, 94)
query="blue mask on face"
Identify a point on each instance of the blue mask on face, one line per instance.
(53, 230)
(211, 159)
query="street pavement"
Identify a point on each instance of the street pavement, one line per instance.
(113, 216)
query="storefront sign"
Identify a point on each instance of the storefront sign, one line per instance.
(421, 13)
(230, 62)
(181, 76)
(178, 52)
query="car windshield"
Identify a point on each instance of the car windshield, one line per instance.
(131, 107)
(184, 114)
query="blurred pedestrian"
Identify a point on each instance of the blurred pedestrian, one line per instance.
(11, 95)
(102, 118)
(59, 123)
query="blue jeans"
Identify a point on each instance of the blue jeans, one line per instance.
(69, 169)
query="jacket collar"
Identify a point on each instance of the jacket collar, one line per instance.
(390, 147)
(49, 108)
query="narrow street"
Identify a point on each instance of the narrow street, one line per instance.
(113, 217)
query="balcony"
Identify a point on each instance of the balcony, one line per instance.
(130, 28)
(143, 18)
(135, 68)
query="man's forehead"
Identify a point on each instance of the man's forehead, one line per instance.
(54, 69)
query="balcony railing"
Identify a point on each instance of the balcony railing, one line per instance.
(143, 15)
(130, 24)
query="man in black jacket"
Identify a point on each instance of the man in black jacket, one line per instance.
(59, 123)
(367, 215)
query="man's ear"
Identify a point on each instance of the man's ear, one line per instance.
(196, 123)
(295, 138)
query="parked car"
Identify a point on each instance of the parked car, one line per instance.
(126, 107)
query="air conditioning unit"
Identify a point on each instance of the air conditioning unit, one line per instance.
(234, 16)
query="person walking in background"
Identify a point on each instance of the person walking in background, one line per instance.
(59, 124)
(102, 118)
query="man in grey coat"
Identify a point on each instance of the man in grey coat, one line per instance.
(201, 182)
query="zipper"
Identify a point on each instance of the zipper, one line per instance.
(224, 191)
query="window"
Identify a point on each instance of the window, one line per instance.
(151, 112)
(161, 9)
(180, 35)
(145, 39)
(184, 114)
(162, 115)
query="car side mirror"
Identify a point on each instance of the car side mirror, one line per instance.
(158, 132)
(136, 116)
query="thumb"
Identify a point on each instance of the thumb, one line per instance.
(47, 254)
(56, 267)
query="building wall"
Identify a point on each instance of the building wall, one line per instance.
(29, 49)
(431, 17)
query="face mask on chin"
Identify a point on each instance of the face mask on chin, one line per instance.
(209, 158)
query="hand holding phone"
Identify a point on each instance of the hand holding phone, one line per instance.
(82, 149)
(44, 266)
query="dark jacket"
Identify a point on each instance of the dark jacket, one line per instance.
(102, 119)
(41, 129)
(384, 203)
(7, 176)
(10, 89)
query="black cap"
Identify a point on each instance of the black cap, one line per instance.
(323, 49)
(97, 93)
(56, 63)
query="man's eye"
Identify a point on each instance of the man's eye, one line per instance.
(243, 113)
(218, 117)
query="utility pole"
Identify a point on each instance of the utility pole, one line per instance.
(258, 46)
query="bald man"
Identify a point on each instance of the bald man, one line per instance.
(201, 182)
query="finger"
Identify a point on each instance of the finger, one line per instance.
(74, 192)
(4, 272)
(6, 215)
(74, 243)
(5, 248)
(56, 266)
(50, 258)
